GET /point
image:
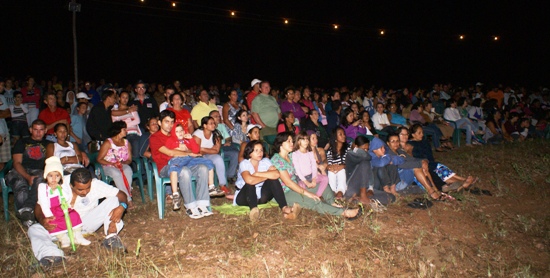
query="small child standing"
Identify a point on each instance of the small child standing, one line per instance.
(51, 196)
(182, 141)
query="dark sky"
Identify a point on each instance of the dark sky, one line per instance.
(198, 42)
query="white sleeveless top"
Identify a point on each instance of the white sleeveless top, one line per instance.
(61, 151)
(205, 143)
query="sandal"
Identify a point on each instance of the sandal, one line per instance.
(420, 203)
(457, 185)
(477, 191)
(359, 213)
(295, 211)
(377, 206)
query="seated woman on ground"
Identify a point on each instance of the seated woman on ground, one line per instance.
(422, 149)
(305, 165)
(305, 197)
(351, 126)
(287, 123)
(336, 158)
(257, 183)
(360, 177)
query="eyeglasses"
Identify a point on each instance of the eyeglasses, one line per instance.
(140, 88)
(394, 141)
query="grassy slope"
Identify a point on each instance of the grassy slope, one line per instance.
(504, 235)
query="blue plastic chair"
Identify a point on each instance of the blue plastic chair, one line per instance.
(456, 133)
(138, 174)
(161, 188)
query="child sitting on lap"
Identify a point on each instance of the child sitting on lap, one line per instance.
(182, 141)
(51, 196)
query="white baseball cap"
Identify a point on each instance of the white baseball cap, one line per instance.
(250, 127)
(254, 82)
(82, 95)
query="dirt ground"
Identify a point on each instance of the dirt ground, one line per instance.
(504, 235)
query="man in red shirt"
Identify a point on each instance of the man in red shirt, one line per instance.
(53, 115)
(196, 202)
(255, 85)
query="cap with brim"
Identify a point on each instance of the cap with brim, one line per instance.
(82, 95)
(250, 127)
(254, 82)
(479, 84)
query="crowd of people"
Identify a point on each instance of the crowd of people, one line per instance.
(307, 148)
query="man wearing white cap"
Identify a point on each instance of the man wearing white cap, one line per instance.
(255, 85)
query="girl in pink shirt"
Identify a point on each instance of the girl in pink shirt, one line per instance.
(306, 166)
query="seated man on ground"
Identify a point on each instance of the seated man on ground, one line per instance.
(84, 195)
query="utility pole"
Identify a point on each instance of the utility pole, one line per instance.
(74, 7)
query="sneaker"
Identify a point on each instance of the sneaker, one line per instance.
(215, 192)
(205, 212)
(27, 218)
(49, 262)
(114, 243)
(176, 201)
(64, 240)
(194, 213)
(225, 189)
(169, 199)
(80, 240)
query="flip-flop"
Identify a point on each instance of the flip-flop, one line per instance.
(359, 213)
(475, 191)
(420, 203)
(452, 187)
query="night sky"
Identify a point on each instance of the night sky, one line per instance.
(199, 43)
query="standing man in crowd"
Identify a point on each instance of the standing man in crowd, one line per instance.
(29, 155)
(255, 85)
(5, 144)
(53, 115)
(266, 111)
(147, 107)
(99, 122)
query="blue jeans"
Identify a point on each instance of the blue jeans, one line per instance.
(177, 163)
(469, 126)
